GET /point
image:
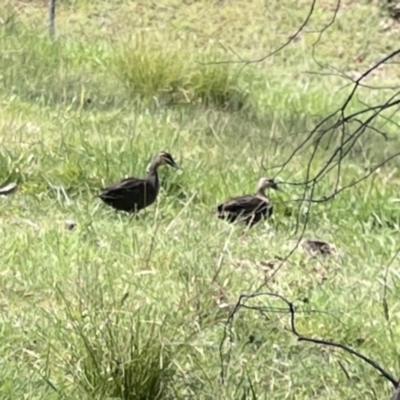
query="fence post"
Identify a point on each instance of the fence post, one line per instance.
(52, 16)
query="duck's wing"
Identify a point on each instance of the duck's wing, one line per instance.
(123, 187)
(246, 204)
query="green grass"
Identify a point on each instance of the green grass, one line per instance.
(136, 309)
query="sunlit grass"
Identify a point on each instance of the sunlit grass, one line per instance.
(135, 308)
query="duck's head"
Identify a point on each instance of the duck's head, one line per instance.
(267, 183)
(165, 158)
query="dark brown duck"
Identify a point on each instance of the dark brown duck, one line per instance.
(249, 209)
(134, 194)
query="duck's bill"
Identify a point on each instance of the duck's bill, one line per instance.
(173, 164)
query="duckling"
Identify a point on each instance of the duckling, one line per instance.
(249, 209)
(134, 194)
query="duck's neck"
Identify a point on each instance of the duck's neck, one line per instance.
(261, 193)
(152, 174)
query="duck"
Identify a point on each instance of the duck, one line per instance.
(250, 208)
(134, 194)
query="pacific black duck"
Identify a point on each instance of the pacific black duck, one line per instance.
(249, 209)
(134, 194)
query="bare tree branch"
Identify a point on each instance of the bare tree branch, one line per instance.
(347, 128)
(291, 310)
(277, 50)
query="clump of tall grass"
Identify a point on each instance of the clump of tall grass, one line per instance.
(113, 353)
(174, 77)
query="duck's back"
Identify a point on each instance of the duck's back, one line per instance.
(130, 194)
(248, 208)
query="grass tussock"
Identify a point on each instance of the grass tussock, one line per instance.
(116, 352)
(174, 77)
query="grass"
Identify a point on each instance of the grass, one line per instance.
(135, 309)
